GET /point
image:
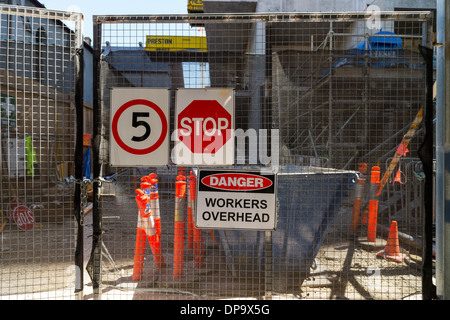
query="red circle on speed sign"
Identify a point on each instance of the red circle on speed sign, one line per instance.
(24, 218)
(201, 121)
(130, 104)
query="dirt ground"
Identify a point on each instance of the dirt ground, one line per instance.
(344, 269)
(38, 264)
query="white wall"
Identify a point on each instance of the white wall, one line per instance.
(341, 5)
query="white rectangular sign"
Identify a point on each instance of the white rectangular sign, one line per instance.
(139, 127)
(230, 199)
(204, 123)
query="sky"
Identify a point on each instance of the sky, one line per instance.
(101, 7)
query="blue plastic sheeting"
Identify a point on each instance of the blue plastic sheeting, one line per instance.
(308, 203)
(384, 50)
(383, 40)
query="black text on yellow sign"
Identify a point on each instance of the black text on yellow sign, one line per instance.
(175, 43)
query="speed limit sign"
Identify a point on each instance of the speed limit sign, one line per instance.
(139, 129)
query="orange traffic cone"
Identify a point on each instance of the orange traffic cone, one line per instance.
(392, 249)
(178, 246)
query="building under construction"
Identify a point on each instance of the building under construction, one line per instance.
(340, 92)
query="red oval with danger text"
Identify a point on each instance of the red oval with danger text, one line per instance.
(236, 181)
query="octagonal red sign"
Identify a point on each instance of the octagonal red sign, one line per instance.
(204, 126)
(23, 217)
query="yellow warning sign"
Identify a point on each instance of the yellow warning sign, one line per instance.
(175, 43)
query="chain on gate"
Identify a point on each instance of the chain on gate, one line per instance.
(84, 188)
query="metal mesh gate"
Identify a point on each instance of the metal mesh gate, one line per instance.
(342, 97)
(38, 70)
(344, 92)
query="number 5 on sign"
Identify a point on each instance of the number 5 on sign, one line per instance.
(139, 131)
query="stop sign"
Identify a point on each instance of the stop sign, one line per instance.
(204, 126)
(23, 217)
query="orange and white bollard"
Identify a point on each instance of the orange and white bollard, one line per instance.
(190, 220)
(178, 246)
(373, 204)
(154, 203)
(145, 187)
(139, 250)
(359, 189)
(155, 240)
(198, 237)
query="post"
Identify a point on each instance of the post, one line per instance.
(443, 153)
(268, 265)
(257, 63)
(94, 264)
(78, 207)
(426, 155)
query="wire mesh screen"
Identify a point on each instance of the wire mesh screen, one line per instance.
(37, 70)
(341, 100)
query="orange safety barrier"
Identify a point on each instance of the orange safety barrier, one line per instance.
(373, 204)
(392, 249)
(198, 237)
(358, 197)
(178, 246)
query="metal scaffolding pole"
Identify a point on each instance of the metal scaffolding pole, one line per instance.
(443, 152)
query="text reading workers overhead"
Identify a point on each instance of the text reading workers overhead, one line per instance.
(236, 200)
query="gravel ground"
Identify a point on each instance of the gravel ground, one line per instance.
(38, 264)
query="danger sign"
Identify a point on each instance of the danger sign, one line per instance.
(236, 200)
(205, 124)
(139, 127)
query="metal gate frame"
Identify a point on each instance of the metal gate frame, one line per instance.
(94, 265)
(43, 67)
